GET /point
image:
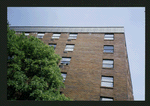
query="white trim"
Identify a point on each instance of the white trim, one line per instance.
(69, 29)
(26, 34)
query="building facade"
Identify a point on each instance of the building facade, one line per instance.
(94, 60)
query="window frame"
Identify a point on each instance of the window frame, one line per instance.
(108, 49)
(69, 38)
(40, 35)
(110, 82)
(27, 33)
(65, 62)
(108, 64)
(101, 97)
(53, 45)
(64, 78)
(109, 37)
(71, 48)
(53, 37)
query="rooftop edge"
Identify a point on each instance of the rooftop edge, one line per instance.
(70, 26)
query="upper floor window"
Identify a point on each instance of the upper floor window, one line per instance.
(69, 47)
(65, 60)
(109, 37)
(18, 32)
(73, 36)
(106, 99)
(40, 35)
(54, 45)
(26, 34)
(108, 49)
(108, 63)
(107, 81)
(56, 36)
(64, 76)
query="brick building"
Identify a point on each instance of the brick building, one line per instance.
(94, 60)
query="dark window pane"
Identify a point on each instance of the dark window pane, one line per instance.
(108, 47)
(108, 51)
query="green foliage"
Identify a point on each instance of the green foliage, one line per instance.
(33, 73)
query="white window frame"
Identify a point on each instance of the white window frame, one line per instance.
(56, 36)
(69, 47)
(106, 99)
(107, 81)
(108, 63)
(73, 36)
(109, 37)
(54, 45)
(27, 34)
(40, 35)
(108, 50)
(64, 75)
(65, 60)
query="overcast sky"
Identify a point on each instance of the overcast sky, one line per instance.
(133, 20)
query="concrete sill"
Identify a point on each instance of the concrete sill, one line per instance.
(108, 40)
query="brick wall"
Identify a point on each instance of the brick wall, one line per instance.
(83, 81)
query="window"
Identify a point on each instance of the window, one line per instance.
(108, 49)
(64, 76)
(65, 60)
(106, 99)
(108, 63)
(18, 33)
(109, 37)
(73, 36)
(40, 35)
(55, 36)
(54, 45)
(69, 48)
(107, 81)
(26, 34)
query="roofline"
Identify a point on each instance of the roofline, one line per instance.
(71, 29)
(68, 26)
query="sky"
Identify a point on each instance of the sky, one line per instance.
(132, 18)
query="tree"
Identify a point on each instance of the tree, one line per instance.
(33, 72)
